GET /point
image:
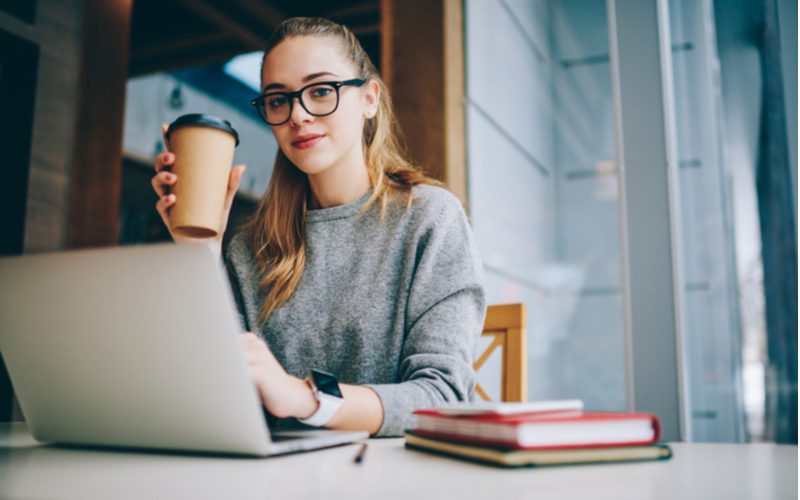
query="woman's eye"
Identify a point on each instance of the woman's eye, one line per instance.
(276, 102)
(321, 91)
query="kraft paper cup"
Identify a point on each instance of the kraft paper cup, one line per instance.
(203, 146)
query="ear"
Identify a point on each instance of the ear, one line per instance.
(372, 94)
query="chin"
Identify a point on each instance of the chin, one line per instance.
(311, 166)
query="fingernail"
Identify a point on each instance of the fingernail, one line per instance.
(170, 177)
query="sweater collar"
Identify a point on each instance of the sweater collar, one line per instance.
(339, 211)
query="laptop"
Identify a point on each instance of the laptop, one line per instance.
(136, 347)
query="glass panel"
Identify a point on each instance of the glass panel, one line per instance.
(712, 331)
(543, 188)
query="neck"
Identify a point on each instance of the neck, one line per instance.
(341, 183)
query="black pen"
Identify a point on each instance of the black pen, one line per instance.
(360, 455)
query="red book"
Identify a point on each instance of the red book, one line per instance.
(542, 431)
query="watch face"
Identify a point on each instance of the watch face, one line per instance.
(326, 383)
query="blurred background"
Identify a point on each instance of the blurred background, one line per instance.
(629, 168)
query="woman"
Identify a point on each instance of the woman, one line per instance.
(355, 263)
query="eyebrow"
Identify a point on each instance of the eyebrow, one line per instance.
(305, 79)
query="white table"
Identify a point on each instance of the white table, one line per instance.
(701, 471)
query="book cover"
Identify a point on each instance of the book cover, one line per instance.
(488, 408)
(537, 458)
(549, 430)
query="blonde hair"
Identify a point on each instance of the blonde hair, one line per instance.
(277, 228)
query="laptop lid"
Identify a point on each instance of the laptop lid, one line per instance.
(129, 346)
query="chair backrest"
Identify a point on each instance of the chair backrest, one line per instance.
(507, 323)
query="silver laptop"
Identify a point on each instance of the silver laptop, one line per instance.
(135, 347)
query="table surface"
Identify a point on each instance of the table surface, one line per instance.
(703, 471)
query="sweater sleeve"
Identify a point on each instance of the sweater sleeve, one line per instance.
(445, 313)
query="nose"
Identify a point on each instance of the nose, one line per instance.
(299, 115)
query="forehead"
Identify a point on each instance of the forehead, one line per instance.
(297, 57)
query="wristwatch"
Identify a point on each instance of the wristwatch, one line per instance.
(326, 389)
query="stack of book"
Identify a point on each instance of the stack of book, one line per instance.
(537, 434)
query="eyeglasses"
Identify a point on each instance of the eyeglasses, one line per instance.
(318, 99)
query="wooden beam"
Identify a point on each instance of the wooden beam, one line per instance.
(455, 161)
(226, 22)
(368, 7)
(165, 47)
(198, 55)
(93, 215)
(422, 60)
(365, 29)
(387, 43)
(209, 48)
(268, 15)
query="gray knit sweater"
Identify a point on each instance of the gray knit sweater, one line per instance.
(394, 304)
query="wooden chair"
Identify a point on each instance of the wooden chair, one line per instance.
(507, 324)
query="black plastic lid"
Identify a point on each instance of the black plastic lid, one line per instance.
(202, 120)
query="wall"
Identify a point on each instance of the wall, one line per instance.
(57, 31)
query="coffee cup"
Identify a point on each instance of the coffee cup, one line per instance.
(203, 146)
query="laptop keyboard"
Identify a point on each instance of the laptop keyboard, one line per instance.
(278, 438)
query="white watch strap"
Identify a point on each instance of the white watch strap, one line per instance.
(328, 406)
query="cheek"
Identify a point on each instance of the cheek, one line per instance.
(343, 129)
(347, 128)
(282, 137)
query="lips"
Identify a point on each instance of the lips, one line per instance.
(306, 141)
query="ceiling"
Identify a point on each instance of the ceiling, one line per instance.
(167, 35)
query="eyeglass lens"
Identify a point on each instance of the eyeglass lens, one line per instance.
(318, 100)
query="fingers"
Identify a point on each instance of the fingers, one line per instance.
(165, 202)
(163, 205)
(163, 182)
(165, 161)
(251, 340)
(235, 179)
(233, 185)
(164, 128)
(249, 336)
(255, 344)
(237, 173)
(253, 357)
(255, 349)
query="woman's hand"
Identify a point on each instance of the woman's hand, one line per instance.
(164, 183)
(282, 394)
(287, 396)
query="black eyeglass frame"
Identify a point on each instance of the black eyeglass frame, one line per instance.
(259, 104)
